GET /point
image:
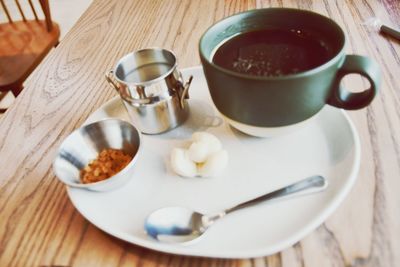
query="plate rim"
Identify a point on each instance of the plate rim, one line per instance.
(255, 253)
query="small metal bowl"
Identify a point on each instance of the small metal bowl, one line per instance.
(84, 144)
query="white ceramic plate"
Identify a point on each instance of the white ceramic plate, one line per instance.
(328, 146)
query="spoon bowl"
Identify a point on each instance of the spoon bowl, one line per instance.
(175, 224)
(180, 224)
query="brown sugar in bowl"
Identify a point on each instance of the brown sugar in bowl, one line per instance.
(85, 145)
(108, 163)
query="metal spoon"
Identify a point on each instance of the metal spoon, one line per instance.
(179, 224)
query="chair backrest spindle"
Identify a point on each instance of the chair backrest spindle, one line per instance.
(33, 10)
(20, 10)
(3, 5)
(46, 10)
(44, 4)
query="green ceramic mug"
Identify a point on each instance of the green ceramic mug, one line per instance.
(266, 106)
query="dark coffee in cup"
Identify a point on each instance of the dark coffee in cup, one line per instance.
(273, 52)
(273, 69)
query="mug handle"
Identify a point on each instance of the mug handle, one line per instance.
(109, 77)
(364, 66)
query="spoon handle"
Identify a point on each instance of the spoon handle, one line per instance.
(308, 185)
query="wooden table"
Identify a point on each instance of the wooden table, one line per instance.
(40, 227)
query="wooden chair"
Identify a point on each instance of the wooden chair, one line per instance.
(24, 43)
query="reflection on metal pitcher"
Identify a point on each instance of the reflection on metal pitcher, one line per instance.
(152, 89)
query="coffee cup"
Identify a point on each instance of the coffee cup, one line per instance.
(270, 71)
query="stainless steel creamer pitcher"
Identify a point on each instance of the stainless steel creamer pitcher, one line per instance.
(152, 89)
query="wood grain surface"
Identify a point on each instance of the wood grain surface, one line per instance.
(40, 227)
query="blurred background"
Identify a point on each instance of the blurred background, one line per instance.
(63, 12)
